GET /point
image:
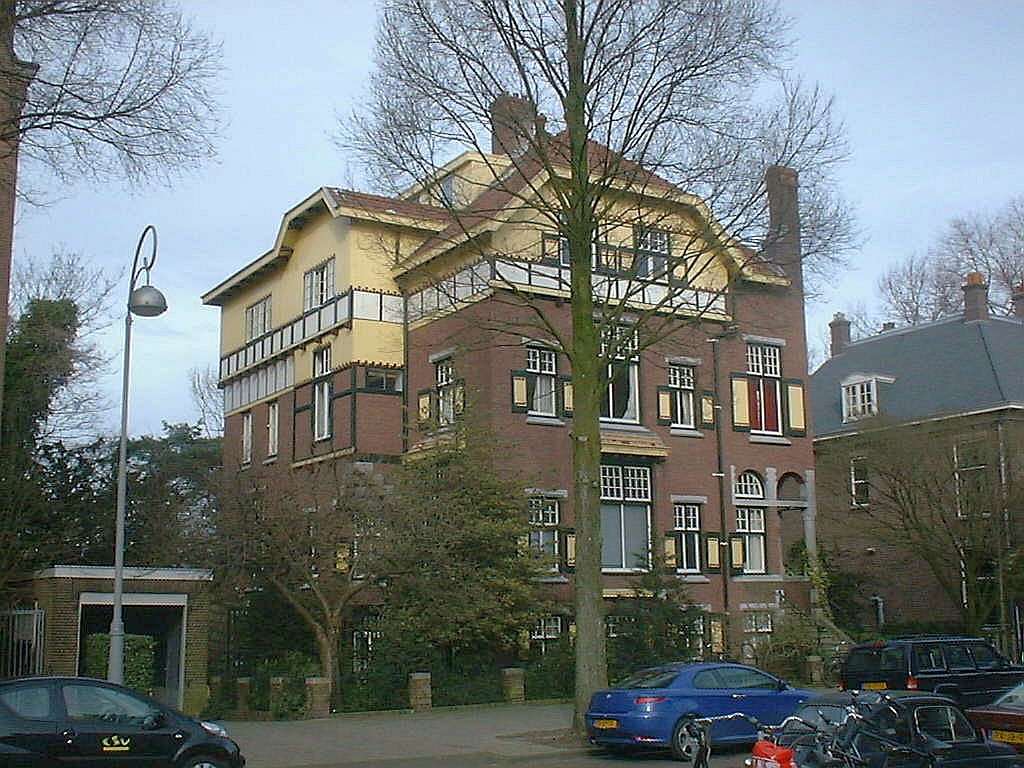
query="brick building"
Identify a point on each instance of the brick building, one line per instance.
(923, 427)
(374, 322)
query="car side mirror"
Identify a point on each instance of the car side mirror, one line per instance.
(153, 720)
(781, 685)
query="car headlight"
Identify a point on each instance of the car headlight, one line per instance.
(216, 730)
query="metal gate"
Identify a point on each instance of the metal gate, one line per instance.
(21, 642)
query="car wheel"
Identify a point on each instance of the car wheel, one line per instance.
(688, 743)
(204, 761)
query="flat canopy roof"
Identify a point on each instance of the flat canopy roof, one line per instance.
(133, 573)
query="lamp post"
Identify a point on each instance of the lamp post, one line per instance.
(144, 301)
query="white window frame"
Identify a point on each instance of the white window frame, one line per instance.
(758, 622)
(681, 381)
(860, 399)
(625, 486)
(273, 420)
(750, 524)
(542, 380)
(686, 524)
(545, 514)
(444, 381)
(764, 365)
(860, 487)
(654, 246)
(962, 472)
(318, 285)
(257, 318)
(621, 345)
(247, 437)
(322, 393)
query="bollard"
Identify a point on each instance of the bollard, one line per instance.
(318, 697)
(419, 691)
(513, 682)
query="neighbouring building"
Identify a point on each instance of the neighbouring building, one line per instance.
(918, 438)
(372, 322)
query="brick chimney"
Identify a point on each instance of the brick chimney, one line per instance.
(513, 123)
(840, 329)
(975, 297)
(783, 243)
(1017, 298)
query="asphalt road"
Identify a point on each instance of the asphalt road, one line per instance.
(464, 737)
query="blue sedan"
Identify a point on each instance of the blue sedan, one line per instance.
(651, 708)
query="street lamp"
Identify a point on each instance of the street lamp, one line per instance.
(144, 301)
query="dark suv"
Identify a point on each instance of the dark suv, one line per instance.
(968, 669)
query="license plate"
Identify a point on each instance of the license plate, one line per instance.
(606, 724)
(874, 686)
(1013, 737)
(764, 762)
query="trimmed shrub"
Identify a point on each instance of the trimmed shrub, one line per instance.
(139, 660)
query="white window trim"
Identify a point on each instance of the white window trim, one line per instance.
(247, 437)
(640, 495)
(687, 531)
(322, 394)
(273, 424)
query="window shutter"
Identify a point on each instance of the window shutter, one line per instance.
(522, 545)
(342, 559)
(670, 551)
(737, 553)
(567, 549)
(740, 404)
(567, 396)
(713, 550)
(796, 419)
(424, 412)
(707, 410)
(520, 401)
(664, 405)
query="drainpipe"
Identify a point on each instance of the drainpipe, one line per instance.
(720, 474)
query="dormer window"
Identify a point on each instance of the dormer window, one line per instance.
(860, 396)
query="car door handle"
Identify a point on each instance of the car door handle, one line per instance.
(739, 696)
(68, 735)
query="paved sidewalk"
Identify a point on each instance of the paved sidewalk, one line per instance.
(466, 735)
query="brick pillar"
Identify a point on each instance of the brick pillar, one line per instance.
(243, 685)
(318, 697)
(513, 681)
(420, 698)
(276, 691)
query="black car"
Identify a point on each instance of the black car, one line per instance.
(921, 730)
(47, 722)
(968, 669)
(824, 712)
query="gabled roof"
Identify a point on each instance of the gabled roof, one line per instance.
(940, 369)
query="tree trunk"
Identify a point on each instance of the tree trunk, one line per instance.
(591, 652)
(327, 647)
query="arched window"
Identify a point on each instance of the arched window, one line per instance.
(748, 486)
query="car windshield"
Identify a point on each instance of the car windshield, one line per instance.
(1012, 698)
(650, 678)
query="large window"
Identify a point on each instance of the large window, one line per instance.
(257, 318)
(750, 522)
(686, 524)
(973, 494)
(859, 400)
(765, 369)
(444, 378)
(322, 393)
(625, 517)
(318, 285)
(622, 397)
(541, 373)
(680, 381)
(544, 516)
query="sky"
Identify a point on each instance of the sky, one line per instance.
(929, 93)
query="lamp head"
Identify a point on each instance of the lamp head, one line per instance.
(147, 301)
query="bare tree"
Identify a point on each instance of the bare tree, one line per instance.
(208, 401)
(101, 89)
(926, 287)
(77, 406)
(617, 103)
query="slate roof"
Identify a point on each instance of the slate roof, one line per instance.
(944, 368)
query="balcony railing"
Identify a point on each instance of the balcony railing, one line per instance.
(337, 311)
